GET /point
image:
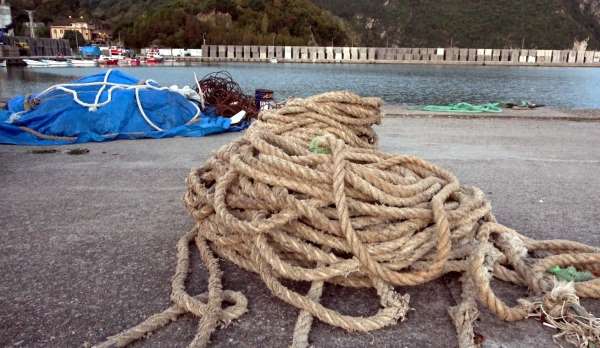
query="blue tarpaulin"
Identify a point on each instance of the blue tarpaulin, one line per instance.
(106, 106)
(90, 51)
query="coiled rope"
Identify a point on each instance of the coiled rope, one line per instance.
(304, 195)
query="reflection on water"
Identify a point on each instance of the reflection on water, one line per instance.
(397, 84)
(23, 81)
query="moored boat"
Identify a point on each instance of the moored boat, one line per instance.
(153, 56)
(83, 62)
(55, 63)
(106, 60)
(2, 63)
(35, 63)
(129, 61)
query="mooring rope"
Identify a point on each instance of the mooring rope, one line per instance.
(305, 196)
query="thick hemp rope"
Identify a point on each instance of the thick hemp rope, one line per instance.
(305, 196)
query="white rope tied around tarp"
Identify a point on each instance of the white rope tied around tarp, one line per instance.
(148, 84)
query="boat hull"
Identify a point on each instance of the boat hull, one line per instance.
(35, 63)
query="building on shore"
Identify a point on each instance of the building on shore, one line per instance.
(89, 32)
(5, 16)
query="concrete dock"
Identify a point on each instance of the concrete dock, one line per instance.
(400, 55)
(88, 242)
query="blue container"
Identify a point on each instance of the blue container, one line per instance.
(90, 51)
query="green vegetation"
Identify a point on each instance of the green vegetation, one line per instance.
(189, 23)
(75, 38)
(552, 24)
(184, 23)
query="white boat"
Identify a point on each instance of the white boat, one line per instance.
(35, 63)
(83, 62)
(3, 64)
(56, 63)
(273, 61)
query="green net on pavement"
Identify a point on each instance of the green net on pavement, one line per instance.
(464, 108)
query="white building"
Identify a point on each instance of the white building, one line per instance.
(5, 15)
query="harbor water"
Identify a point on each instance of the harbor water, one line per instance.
(565, 88)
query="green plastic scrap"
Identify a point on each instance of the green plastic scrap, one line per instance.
(464, 108)
(315, 147)
(570, 274)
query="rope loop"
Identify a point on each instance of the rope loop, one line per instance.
(305, 196)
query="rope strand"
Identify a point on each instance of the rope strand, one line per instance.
(350, 215)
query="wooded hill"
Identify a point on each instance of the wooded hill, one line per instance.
(552, 24)
(548, 24)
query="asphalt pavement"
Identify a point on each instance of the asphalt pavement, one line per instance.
(87, 242)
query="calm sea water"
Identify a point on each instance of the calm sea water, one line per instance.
(572, 88)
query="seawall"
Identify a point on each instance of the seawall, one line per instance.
(362, 55)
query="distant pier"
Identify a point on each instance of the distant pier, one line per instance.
(362, 55)
(18, 47)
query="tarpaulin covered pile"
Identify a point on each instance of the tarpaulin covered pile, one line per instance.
(107, 106)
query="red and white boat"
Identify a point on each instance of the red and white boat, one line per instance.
(108, 60)
(129, 61)
(153, 56)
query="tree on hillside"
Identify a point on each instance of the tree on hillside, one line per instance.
(43, 31)
(75, 38)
